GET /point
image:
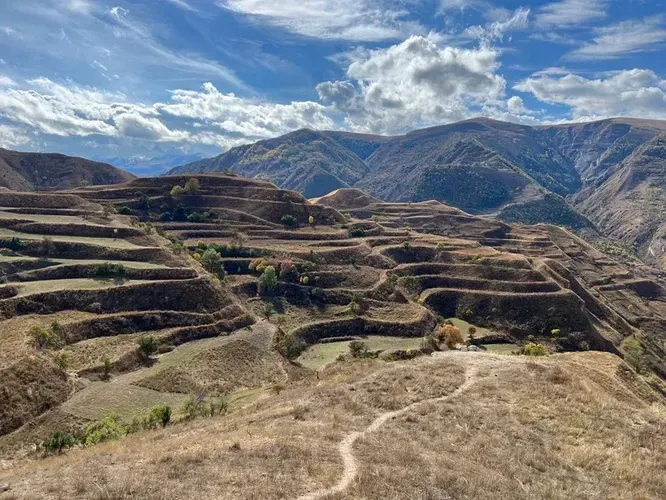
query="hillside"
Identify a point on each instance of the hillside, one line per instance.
(249, 296)
(52, 171)
(518, 173)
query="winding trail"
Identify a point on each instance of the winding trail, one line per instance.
(350, 465)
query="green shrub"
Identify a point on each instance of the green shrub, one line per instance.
(12, 243)
(62, 360)
(44, 338)
(268, 281)
(634, 354)
(358, 305)
(161, 414)
(277, 387)
(125, 211)
(147, 346)
(356, 232)
(269, 310)
(211, 261)
(288, 220)
(144, 203)
(107, 429)
(58, 441)
(199, 406)
(291, 347)
(429, 344)
(108, 270)
(533, 349)
(358, 349)
(176, 191)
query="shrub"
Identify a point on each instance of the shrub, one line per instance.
(269, 310)
(358, 349)
(125, 211)
(166, 217)
(108, 270)
(12, 243)
(106, 362)
(288, 271)
(147, 346)
(212, 262)
(268, 281)
(291, 347)
(199, 406)
(192, 186)
(144, 203)
(471, 331)
(58, 441)
(62, 360)
(176, 191)
(356, 232)
(634, 354)
(277, 387)
(95, 307)
(450, 335)
(44, 338)
(533, 349)
(161, 414)
(358, 306)
(311, 221)
(288, 220)
(107, 429)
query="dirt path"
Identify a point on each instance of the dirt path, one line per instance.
(346, 447)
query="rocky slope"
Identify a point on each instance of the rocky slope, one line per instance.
(563, 174)
(52, 171)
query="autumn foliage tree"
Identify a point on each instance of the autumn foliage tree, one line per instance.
(450, 335)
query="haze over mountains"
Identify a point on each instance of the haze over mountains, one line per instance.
(568, 174)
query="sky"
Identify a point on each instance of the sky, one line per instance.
(144, 78)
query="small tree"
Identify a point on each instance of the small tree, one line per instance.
(211, 261)
(268, 281)
(269, 310)
(58, 441)
(450, 335)
(44, 338)
(176, 191)
(471, 331)
(634, 354)
(147, 346)
(106, 361)
(192, 186)
(358, 349)
(312, 221)
(161, 414)
(62, 360)
(288, 220)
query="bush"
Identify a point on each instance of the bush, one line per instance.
(268, 281)
(12, 243)
(291, 347)
(125, 211)
(212, 262)
(106, 362)
(161, 414)
(634, 354)
(356, 232)
(58, 441)
(358, 305)
(144, 203)
(450, 335)
(176, 191)
(44, 338)
(288, 220)
(147, 346)
(107, 429)
(62, 360)
(358, 349)
(429, 344)
(108, 270)
(192, 186)
(533, 349)
(277, 387)
(199, 406)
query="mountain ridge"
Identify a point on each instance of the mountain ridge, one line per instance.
(519, 173)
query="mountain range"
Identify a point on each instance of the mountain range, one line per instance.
(568, 174)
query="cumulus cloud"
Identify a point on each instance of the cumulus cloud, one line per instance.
(637, 92)
(12, 136)
(361, 20)
(497, 29)
(222, 120)
(622, 39)
(416, 82)
(5, 81)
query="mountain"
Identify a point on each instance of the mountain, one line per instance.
(154, 165)
(52, 171)
(565, 174)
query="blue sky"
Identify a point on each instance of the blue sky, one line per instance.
(105, 78)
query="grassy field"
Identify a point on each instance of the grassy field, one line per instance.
(321, 354)
(105, 242)
(31, 287)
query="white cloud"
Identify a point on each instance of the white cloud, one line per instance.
(497, 29)
(182, 4)
(637, 92)
(361, 20)
(5, 81)
(78, 6)
(515, 105)
(415, 83)
(11, 137)
(622, 39)
(568, 13)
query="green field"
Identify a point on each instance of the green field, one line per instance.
(321, 354)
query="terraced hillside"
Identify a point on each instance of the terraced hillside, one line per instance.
(405, 263)
(234, 279)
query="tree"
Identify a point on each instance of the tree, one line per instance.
(212, 262)
(268, 281)
(147, 346)
(312, 221)
(288, 220)
(634, 354)
(192, 185)
(358, 349)
(269, 310)
(450, 335)
(176, 191)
